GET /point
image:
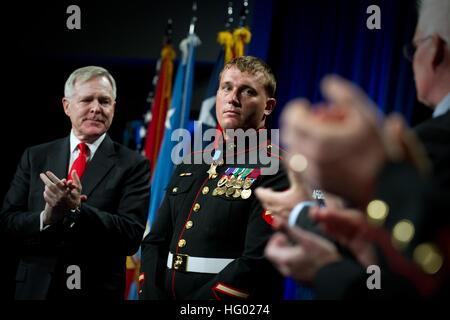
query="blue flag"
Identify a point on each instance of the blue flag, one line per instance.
(177, 117)
(207, 118)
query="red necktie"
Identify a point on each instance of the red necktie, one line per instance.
(80, 163)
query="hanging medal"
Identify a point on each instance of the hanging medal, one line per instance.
(212, 169)
(240, 182)
(231, 183)
(247, 192)
(221, 188)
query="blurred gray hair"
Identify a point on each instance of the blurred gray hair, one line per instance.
(434, 17)
(84, 74)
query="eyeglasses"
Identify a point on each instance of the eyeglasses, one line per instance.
(410, 49)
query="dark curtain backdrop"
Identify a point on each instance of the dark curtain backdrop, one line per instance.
(310, 39)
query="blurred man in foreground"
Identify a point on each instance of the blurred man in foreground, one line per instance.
(397, 215)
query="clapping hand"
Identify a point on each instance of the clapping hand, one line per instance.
(60, 195)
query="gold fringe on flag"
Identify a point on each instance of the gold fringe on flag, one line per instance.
(240, 37)
(167, 52)
(225, 38)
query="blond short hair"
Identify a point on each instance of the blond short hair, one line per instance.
(254, 65)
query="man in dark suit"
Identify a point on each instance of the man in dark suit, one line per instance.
(77, 206)
(209, 234)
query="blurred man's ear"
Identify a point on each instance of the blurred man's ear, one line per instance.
(270, 105)
(66, 103)
(439, 50)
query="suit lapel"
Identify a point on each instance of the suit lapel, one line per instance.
(99, 166)
(58, 161)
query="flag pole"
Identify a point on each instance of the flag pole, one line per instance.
(242, 34)
(191, 44)
(169, 32)
(244, 13)
(194, 18)
(229, 17)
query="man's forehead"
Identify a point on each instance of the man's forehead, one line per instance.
(233, 72)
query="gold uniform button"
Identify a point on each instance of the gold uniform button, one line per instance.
(189, 224)
(181, 243)
(196, 207)
(205, 190)
(175, 190)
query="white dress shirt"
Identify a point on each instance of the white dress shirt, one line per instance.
(293, 216)
(442, 106)
(74, 150)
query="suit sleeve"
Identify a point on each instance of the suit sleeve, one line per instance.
(410, 198)
(16, 220)
(121, 229)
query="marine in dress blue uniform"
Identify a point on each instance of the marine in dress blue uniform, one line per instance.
(209, 235)
(208, 239)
